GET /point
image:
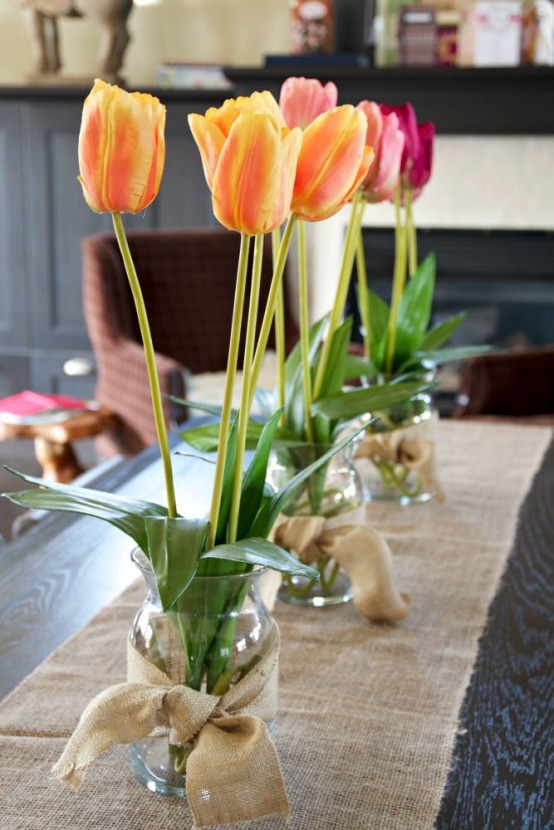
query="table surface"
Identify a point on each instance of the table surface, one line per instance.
(56, 577)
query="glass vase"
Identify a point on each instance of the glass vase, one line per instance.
(220, 631)
(333, 489)
(396, 456)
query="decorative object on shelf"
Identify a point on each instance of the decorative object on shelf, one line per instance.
(537, 33)
(42, 22)
(312, 26)
(417, 36)
(490, 33)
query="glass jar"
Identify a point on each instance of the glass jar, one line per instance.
(333, 489)
(220, 631)
(396, 457)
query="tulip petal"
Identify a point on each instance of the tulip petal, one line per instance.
(259, 102)
(209, 140)
(302, 99)
(247, 181)
(333, 161)
(121, 149)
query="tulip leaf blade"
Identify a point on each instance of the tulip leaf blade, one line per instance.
(356, 402)
(175, 546)
(378, 313)
(439, 334)
(414, 311)
(273, 505)
(333, 378)
(127, 515)
(259, 551)
(254, 478)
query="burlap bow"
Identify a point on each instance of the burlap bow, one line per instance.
(409, 447)
(233, 758)
(359, 549)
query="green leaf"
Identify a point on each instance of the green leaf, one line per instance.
(414, 311)
(127, 515)
(340, 341)
(228, 475)
(356, 402)
(272, 507)
(450, 355)
(210, 408)
(378, 320)
(440, 333)
(294, 391)
(323, 428)
(253, 480)
(175, 546)
(257, 551)
(205, 438)
(356, 366)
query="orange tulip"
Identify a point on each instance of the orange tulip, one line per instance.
(249, 159)
(333, 162)
(121, 149)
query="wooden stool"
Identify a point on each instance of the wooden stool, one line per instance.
(53, 441)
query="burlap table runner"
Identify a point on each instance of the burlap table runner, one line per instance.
(367, 713)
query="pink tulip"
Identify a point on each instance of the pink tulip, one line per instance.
(387, 140)
(417, 158)
(303, 99)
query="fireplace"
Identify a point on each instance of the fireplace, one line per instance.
(504, 279)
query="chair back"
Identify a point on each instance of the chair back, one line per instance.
(518, 384)
(188, 279)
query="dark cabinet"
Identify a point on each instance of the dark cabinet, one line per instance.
(13, 319)
(43, 219)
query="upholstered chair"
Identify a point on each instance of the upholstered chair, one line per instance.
(188, 281)
(516, 384)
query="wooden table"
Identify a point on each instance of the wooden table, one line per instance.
(54, 579)
(53, 440)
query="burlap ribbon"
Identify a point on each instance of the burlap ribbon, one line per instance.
(233, 760)
(409, 447)
(359, 549)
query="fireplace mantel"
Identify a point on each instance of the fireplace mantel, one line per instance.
(468, 101)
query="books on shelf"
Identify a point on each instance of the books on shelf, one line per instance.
(191, 76)
(40, 408)
(317, 59)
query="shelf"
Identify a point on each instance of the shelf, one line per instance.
(472, 101)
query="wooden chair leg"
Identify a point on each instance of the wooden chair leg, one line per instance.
(58, 461)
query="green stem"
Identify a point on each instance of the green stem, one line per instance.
(150, 356)
(244, 410)
(398, 283)
(280, 343)
(229, 388)
(390, 478)
(270, 305)
(411, 233)
(303, 302)
(363, 296)
(349, 252)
